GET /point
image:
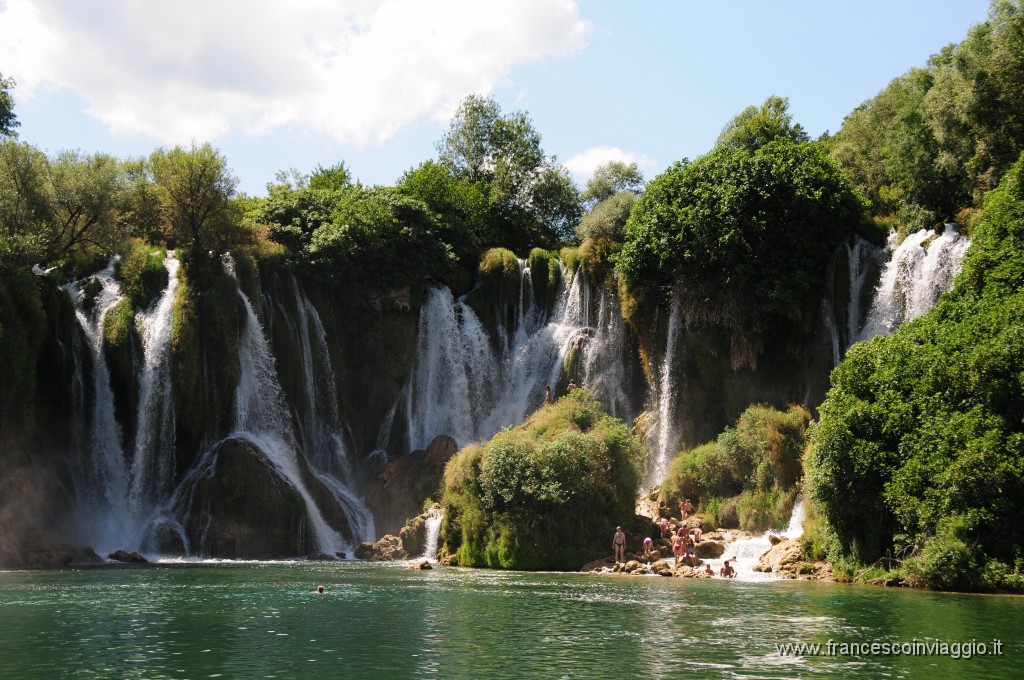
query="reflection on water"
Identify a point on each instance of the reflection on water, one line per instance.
(264, 620)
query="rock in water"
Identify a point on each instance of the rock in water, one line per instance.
(125, 556)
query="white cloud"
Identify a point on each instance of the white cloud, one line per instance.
(357, 71)
(583, 165)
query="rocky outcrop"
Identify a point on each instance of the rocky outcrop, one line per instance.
(245, 509)
(387, 549)
(129, 557)
(786, 560)
(401, 488)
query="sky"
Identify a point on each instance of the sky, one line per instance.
(282, 84)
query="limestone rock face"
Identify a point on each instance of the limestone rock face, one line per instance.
(387, 549)
(406, 482)
(710, 550)
(782, 554)
(245, 509)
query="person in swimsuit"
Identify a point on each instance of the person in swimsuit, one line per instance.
(619, 545)
(677, 547)
(548, 399)
(691, 553)
(708, 571)
(698, 533)
(648, 545)
(727, 570)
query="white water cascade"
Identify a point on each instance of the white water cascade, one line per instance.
(103, 511)
(152, 466)
(262, 419)
(322, 424)
(460, 386)
(664, 438)
(433, 534)
(844, 319)
(918, 272)
(748, 551)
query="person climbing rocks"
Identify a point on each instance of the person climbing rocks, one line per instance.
(677, 547)
(648, 545)
(619, 545)
(548, 398)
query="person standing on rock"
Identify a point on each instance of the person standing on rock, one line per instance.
(548, 399)
(619, 545)
(677, 547)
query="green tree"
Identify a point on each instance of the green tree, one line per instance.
(461, 207)
(607, 220)
(24, 203)
(86, 194)
(746, 234)
(612, 178)
(755, 126)
(8, 121)
(530, 200)
(195, 190)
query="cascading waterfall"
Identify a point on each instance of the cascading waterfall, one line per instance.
(152, 467)
(844, 319)
(748, 551)
(461, 387)
(262, 419)
(324, 445)
(918, 272)
(666, 439)
(433, 534)
(104, 512)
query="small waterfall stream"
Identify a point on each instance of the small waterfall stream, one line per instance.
(433, 534)
(665, 437)
(748, 551)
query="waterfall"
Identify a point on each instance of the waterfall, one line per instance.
(919, 270)
(853, 267)
(103, 475)
(666, 438)
(748, 551)
(433, 531)
(262, 419)
(152, 466)
(461, 386)
(325, 445)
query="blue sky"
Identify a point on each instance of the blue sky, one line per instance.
(277, 85)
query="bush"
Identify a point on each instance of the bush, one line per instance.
(749, 476)
(928, 423)
(546, 494)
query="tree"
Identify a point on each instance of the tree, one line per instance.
(530, 199)
(745, 234)
(24, 203)
(607, 220)
(755, 126)
(86, 194)
(7, 119)
(611, 178)
(195, 189)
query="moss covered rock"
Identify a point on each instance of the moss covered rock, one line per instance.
(547, 494)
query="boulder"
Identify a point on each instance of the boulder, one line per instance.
(782, 554)
(710, 550)
(129, 557)
(421, 564)
(387, 549)
(775, 540)
(398, 492)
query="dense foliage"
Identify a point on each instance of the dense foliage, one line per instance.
(745, 233)
(8, 121)
(919, 452)
(937, 138)
(546, 494)
(749, 477)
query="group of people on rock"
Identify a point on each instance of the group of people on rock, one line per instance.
(684, 542)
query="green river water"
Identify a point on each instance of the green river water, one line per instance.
(264, 620)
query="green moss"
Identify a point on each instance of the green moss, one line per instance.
(546, 494)
(545, 274)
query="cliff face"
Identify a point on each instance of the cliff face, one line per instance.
(295, 404)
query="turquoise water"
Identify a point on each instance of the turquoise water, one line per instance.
(385, 621)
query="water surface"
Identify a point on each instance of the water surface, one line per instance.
(264, 620)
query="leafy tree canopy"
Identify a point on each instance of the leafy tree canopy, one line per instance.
(531, 201)
(8, 121)
(755, 126)
(612, 178)
(919, 446)
(745, 233)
